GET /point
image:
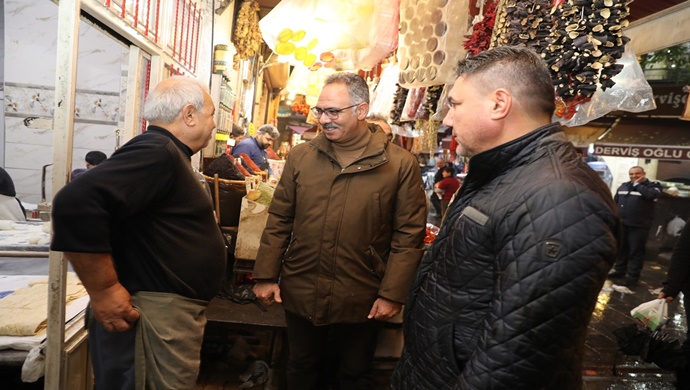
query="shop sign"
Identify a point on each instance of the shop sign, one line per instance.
(669, 101)
(642, 151)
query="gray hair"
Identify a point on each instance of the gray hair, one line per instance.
(357, 87)
(270, 130)
(164, 104)
(518, 69)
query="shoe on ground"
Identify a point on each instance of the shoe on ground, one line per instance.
(630, 283)
(615, 275)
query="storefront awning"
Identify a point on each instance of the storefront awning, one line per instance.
(653, 138)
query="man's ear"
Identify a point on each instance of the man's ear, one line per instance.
(362, 111)
(502, 103)
(188, 114)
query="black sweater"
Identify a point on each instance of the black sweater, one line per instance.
(147, 207)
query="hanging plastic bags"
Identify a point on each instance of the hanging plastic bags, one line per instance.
(631, 93)
(651, 314)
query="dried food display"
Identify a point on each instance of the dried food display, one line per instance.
(431, 99)
(225, 167)
(480, 39)
(579, 39)
(247, 37)
(398, 104)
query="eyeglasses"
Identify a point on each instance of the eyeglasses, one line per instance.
(450, 103)
(331, 113)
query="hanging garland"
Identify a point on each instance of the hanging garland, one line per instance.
(247, 38)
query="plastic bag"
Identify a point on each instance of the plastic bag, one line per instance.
(651, 314)
(631, 93)
(353, 34)
(381, 102)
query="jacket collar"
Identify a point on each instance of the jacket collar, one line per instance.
(180, 145)
(489, 164)
(374, 154)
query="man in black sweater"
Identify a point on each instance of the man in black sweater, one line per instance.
(141, 235)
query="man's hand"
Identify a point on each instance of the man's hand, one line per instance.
(267, 293)
(383, 309)
(112, 307)
(663, 296)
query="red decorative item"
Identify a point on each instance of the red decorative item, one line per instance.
(300, 106)
(480, 39)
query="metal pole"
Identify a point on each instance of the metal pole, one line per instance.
(63, 125)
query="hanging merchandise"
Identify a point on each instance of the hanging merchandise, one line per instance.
(631, 93)
(480, 39)
(399, 100)
(414, 99)
(431, 35)
(381, 101)
(581, 41)
(247, 35)
(307, 83)
(344, 35)
(441, 108)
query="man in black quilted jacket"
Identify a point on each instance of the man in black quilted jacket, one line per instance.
(503, 297)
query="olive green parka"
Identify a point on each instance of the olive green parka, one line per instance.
(339, 238)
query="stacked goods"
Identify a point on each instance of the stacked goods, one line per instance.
(249, 164)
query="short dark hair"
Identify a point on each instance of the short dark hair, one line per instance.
(519, 69)
(237, 131)
(95, 157)
(449, 169)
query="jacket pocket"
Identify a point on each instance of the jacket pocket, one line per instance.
(290, 249)
(376, 264)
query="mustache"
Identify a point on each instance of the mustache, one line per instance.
(330, 126)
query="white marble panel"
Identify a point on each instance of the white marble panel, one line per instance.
(89, 136)
(17, 133)
(26, 161)
(30, 41)
(99, 61)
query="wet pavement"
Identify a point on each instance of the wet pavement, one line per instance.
(604, 367)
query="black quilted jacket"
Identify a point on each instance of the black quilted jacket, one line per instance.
(503, 298)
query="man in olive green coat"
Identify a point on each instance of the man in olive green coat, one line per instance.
(344, 236)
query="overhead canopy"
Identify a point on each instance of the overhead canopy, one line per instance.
(657, 138)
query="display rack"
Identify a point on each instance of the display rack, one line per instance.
(224, 101)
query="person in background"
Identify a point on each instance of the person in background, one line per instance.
(447, 187)
(344, 237)
(236, 136)
(11, 209)
(141, 235)
(678, 280)
(92, 159)
(255, 147)
(503, 297)
(635, 200)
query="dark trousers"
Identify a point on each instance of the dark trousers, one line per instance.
(683, 375)
(112, 356)
(632, 250)
(352, 347)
